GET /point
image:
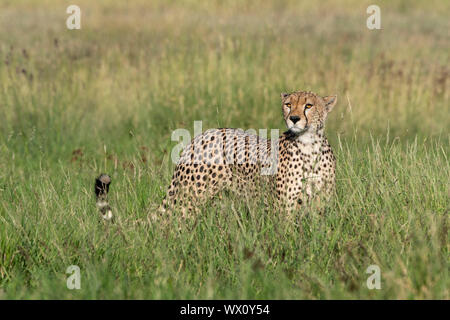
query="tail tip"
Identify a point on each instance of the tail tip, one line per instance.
(102, 184)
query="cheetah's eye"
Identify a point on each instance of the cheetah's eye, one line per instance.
(308, 106)
(288, 105)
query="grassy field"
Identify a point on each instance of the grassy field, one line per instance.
(106, 98)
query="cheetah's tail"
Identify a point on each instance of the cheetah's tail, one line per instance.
(101, 192)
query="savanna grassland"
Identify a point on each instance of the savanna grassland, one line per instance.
(106, 98)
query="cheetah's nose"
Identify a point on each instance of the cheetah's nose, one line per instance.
(294, 119)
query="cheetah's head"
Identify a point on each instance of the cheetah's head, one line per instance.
(306, 111)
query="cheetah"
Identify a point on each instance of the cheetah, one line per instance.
(296, 167)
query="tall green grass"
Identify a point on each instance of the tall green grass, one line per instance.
(106, 98)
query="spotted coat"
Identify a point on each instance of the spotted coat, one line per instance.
(296, 166)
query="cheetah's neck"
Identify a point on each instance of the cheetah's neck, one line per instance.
(310, 138)
(310, 143)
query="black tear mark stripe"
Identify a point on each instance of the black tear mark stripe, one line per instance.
(304, 113)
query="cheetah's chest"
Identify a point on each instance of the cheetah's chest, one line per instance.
(298, 172)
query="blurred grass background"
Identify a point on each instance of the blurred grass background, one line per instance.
(106, 98)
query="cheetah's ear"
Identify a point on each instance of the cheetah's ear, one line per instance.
(284, 95)
(330, 102)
